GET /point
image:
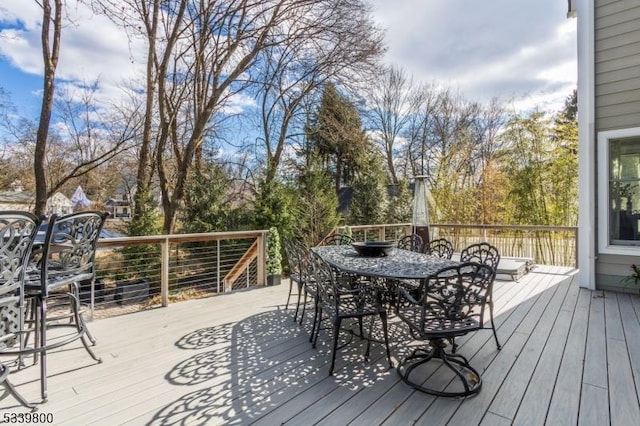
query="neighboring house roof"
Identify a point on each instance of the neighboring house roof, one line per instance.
(18, 200)
(79, 198)
(16, 197)
(111, 202)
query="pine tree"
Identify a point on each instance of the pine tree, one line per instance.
(369, 202)
(336, 134)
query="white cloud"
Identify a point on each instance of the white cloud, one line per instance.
(491, 48)
(522, 49)
(92, 48)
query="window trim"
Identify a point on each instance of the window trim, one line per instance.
(604, 160)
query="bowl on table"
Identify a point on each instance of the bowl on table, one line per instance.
(373, 248)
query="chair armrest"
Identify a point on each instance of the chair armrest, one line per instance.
(402, 292)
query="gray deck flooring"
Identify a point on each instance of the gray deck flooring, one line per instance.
(569, 356)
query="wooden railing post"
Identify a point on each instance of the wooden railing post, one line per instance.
(575, 260)
(219, 275)
(164, 272)
(262, 244)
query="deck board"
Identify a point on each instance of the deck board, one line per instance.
(569, 356)
(565, 400)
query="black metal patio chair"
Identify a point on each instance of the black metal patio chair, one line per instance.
(440, 247)
(336, 239)
(17, 234)
(451, 304)
(411, 242)
(309, 285)
(340, 304)
(486, 254)
(291, 252)
(67, 259)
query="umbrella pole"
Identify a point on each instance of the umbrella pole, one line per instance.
(423, 232)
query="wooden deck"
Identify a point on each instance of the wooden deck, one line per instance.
(569, 356)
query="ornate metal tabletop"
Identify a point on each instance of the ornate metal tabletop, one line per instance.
(402, 264)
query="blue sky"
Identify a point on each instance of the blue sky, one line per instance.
(523, 51)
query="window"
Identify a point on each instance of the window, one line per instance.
(619, 191)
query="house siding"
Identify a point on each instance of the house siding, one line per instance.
(617, 64)
(617, 97)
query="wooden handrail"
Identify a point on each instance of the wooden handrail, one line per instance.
(240, 266)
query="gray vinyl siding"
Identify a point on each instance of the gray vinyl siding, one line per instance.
(617, 67)
(617, 97)
(611, 269)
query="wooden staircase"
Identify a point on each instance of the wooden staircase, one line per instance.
(241, 266)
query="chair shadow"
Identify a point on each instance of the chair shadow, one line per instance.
(248, 365)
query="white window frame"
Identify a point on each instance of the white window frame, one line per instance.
(604, 200)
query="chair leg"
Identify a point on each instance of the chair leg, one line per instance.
(4, 372)
(304, 307)
(467, 376)
(286, 306)
(493, 326)
(383, 318)
(42, 325)
(368, 349)
(82, 327)
(454, 345)
(315, 318)
(32, 308)
(295, 315)
(315, 338)
(75, 309)
(336, 335)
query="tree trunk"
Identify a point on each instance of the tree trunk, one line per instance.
(50, 54)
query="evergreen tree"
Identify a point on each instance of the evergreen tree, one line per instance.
(336, 133)
(275, 206)
(206, 208)
(400, 204)
(318, 207)
(369, 202)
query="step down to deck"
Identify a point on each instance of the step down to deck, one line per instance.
(510, 268)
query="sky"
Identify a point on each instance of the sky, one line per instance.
(523, 52)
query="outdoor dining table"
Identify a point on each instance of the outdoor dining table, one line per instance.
(399, 264)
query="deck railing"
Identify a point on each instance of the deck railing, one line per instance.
(136, 273)
(139, 272)
(546, 245)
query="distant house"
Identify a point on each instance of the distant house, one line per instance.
(17, 199)
(59, 204)
(609, 132)
(120, 207)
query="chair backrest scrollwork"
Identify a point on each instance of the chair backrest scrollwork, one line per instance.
(336, 240)
(70, 247)
(411, 242)
(452, 301)
(440, 247)
(482, 253)
(17, 234)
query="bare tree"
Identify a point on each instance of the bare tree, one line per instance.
(419, 130)
(394, 99)
(201, 54)
(84, 139)
(50, 39)
(326, 41)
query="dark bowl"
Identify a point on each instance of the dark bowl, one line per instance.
(373, 248)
